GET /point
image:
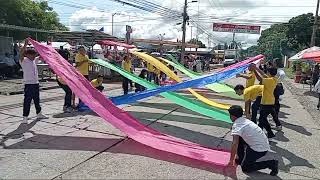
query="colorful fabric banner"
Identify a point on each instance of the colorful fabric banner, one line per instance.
(217, 87)
(183, 101)
(159, 65)
(121, 119)
(197, 82)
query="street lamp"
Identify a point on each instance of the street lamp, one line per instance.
(113, 14)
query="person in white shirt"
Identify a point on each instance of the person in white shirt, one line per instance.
(249, 143)
(31, 82)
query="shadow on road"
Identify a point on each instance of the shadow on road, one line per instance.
(74, 114)
(311, 93)
(18, 133)
(94, 144)
(294, 160)
(297, 128)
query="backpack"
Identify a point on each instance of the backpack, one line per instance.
(278, 91)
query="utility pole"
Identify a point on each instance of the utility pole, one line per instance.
(191, 37)
(184, 31)
(315, 27)
(113, 14)
(161, 44)
(233, 42)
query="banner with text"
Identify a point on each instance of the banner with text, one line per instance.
(236, 28)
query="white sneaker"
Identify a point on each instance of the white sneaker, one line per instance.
(25, 120)
(41, 116)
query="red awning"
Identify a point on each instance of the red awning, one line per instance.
(113, 43)
(311, 55)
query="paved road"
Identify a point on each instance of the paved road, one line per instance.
(83, 146)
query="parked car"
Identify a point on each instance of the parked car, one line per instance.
(228, 62)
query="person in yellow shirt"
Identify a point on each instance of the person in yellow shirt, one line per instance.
(97, 83)
(126, 65)
(252, 93)
(268, 99)
(82, 62)
(151, 74)
(67, 98)
(250, 77)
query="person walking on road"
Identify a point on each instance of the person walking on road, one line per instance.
(268, 100)
(31, 82)
(249, 144)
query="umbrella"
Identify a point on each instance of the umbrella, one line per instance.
(312, 53)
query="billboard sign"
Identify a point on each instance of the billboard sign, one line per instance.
(236, 28)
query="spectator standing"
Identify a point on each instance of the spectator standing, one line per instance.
(82, 62)
(317, 90)
(315, 74)
(31, 82)
(64, 53)
(68, 97)
(126, 65)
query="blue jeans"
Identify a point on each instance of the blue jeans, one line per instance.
(68, 96)
(255, 107)
(150, 76)
(31, 92)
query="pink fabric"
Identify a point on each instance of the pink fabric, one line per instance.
(121, 119)
(113, 43)
(250, 60)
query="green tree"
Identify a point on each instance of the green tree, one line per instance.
(270, 41)
(249, 52)
(29, 13)
(300, 31)
(287, 38)
(198, 42)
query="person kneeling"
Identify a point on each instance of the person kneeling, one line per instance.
(97, 83)
(250, 144)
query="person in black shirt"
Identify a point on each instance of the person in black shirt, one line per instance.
(64, 53)
(142, 75)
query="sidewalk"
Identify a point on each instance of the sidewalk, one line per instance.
(307, 98)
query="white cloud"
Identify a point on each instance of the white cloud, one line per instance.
(149, 26)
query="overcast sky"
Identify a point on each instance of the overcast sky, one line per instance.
(94, 14)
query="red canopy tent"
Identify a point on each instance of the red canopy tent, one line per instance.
(314, 56)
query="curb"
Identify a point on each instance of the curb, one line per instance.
(21, 92)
